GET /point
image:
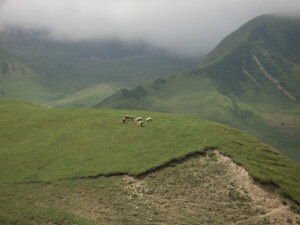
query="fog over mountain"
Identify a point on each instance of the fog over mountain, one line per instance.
(182, 27)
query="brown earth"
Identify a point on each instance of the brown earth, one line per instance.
(272, 79)
(249, 75)
(207, 189)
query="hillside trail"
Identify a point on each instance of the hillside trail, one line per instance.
(208, 189)
(272, 79)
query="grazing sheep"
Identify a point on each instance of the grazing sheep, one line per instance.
(132, 118)
(127, 117)
(140, 123)
(148, 119)
(124, 120)
(138, 119)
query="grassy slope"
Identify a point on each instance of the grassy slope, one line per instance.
(51, 145)
(84, 98)
(219, 90)
(19, 81)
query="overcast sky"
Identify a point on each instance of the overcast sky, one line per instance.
(182, 26)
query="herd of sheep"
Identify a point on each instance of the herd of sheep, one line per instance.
(138, 120)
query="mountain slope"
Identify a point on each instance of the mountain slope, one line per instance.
(71, 67)
(17, 81)
(86, 161)
(249, 81)
(84, 98)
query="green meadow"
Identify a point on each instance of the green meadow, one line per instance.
(42, 146)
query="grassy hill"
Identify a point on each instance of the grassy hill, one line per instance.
(249, 81)
(69, 68)
(19, 81)
(48, 152)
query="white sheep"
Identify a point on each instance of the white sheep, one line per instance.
(138, 119)
(140, 123)
(148, 119)
(127, 117)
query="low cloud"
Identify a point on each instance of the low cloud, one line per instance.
(184, 27)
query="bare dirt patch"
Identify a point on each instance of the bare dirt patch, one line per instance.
(262, 196)
(207, 189)
(272, 79)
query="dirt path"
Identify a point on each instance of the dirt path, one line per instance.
(249, 75)
(272, 79)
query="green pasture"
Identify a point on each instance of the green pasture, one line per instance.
(48, 145)
(46, 152)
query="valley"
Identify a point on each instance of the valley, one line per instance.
(68, 69)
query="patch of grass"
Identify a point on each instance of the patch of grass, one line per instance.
(29, 214)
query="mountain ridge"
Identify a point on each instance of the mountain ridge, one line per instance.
(220, 87)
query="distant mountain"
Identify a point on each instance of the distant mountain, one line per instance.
(70, 67)
(250, 81)
(19, 81)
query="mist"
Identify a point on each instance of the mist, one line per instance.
(187, 28)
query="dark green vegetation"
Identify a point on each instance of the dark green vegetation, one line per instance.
(72, 70)
(47, 155)
(250, 81)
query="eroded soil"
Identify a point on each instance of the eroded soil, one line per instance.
(207, 189)
(272, 79)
